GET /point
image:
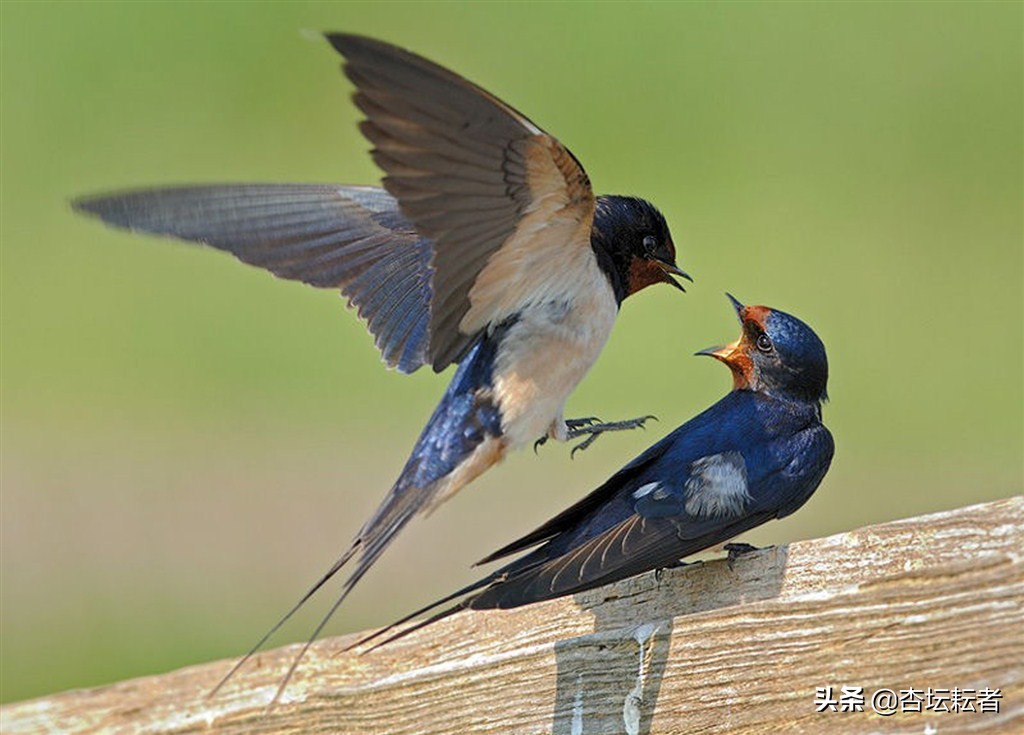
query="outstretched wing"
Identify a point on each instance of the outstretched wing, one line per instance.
(509, 209)
(327, 235)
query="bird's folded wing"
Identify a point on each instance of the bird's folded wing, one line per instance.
(508, 207)
(575, 514)
(631, 547)
(698, 506)
(326, 235)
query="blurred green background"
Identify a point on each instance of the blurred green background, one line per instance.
(187, 442)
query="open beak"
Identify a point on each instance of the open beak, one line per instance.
(737, 306)
(734, 354)
(737, 360)
(725, 353)
(671, 269)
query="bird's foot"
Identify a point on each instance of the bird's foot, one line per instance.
(580, 424)
(592, 429)
(736, 551)
(660, 571)
(572, 425)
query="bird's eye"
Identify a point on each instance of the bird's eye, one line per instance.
(764, 343)
(650, 244)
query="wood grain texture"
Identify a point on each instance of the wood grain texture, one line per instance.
(933, 601)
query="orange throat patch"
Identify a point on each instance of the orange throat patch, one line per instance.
(644, 273)
(742, 368)
(735, 356)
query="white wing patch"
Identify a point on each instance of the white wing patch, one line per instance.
(717, 486)
(646, 489)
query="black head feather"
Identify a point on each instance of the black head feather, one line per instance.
(633, 244)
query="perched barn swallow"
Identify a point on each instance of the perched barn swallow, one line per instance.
(757, 454)
(486, 248)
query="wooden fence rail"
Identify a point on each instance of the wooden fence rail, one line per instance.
(933, 601)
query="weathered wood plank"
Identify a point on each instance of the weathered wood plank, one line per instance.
(934, 601)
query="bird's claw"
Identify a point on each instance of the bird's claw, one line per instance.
(736, 551)
(660, 571)
(583, 444)
(582, 423)
(593, 429)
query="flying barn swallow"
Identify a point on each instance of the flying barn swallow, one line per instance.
(486, 248)
(757, 454)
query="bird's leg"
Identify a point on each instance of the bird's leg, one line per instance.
(592, 429)
(736, 551)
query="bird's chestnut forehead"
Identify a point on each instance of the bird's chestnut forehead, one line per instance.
(756, 314)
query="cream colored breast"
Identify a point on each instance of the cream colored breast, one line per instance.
(549, 350)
